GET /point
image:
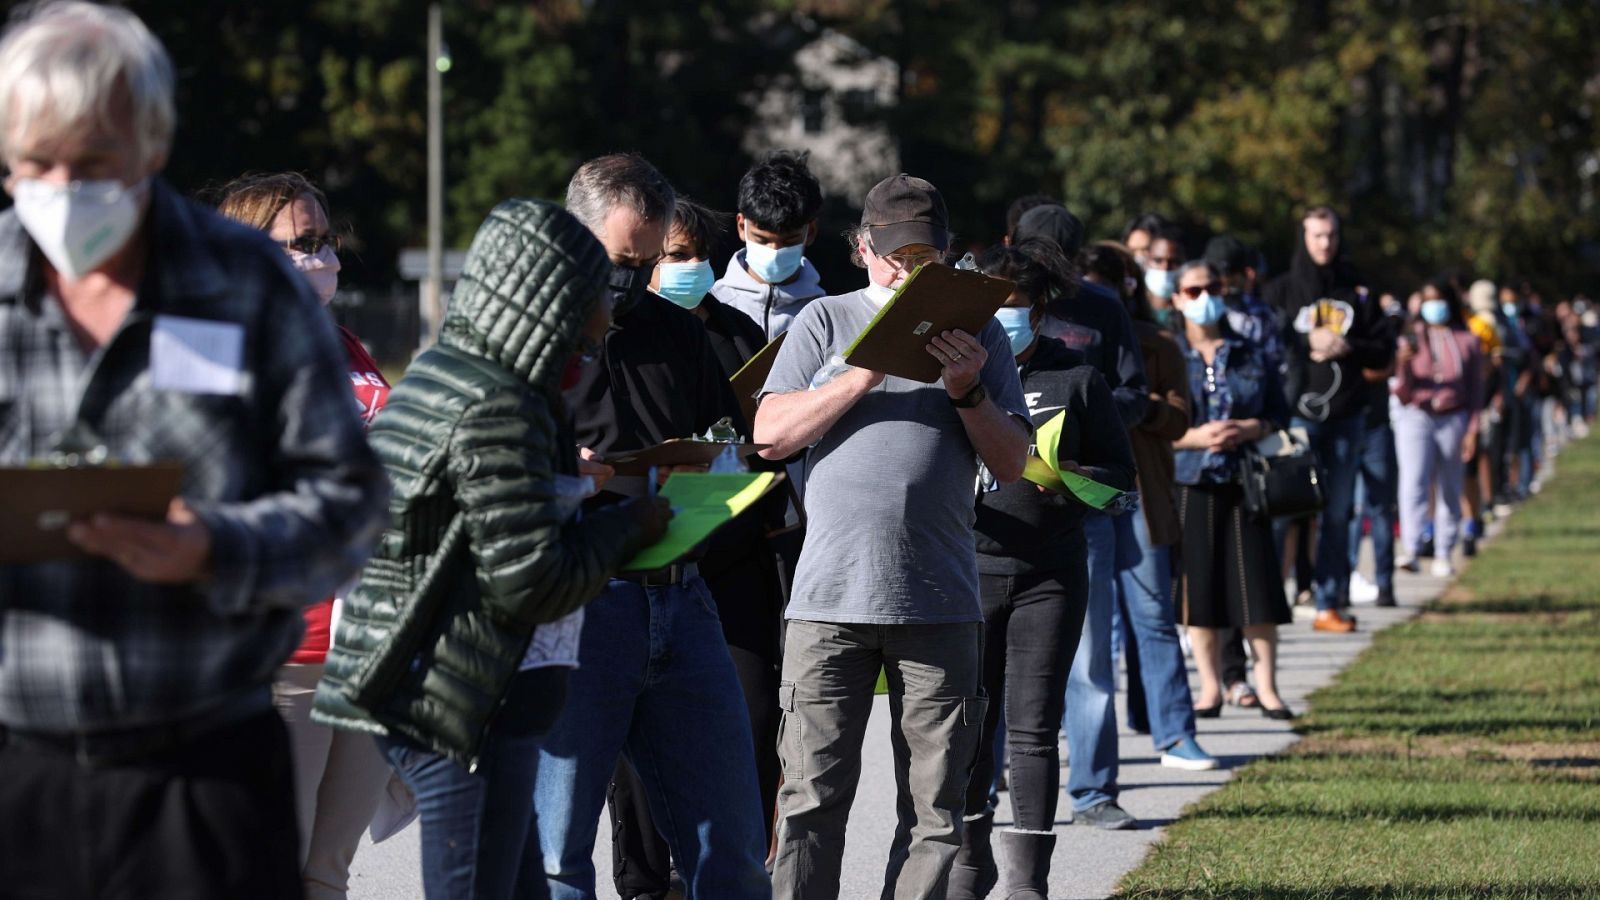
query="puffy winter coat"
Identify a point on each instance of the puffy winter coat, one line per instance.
(483, 547)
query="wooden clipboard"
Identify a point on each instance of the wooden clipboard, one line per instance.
(934, 299)
(676, 452)
(41, 502)
(752, 377)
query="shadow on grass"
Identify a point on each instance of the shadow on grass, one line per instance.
(1537, 604)
(1413, 813)
(1387, 892)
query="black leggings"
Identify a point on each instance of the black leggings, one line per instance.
(1031, 628)
(751, 609)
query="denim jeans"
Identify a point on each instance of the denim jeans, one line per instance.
(1144, 595)
(1031, 628)
(655, 682)
(1338, 445)
(1091, 717)
(936, 709)
(477, 826)
(1377, 493)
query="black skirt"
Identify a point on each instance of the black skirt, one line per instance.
(1230, 572)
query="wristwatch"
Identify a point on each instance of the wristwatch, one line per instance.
(970, 399)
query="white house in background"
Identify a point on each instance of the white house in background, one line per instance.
(827, 109)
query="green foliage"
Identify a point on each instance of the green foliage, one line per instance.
(1450, 131)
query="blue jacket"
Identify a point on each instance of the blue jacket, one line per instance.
(1243, 385)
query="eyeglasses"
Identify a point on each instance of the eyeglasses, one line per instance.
(1194, 291)
(311, 244)
(908, 261)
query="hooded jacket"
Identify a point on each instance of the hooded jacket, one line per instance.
(483, 546)
(1309, 296)
(772, 306)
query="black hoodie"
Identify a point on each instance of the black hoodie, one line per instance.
(1331, 296)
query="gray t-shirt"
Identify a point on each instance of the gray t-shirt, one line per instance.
(889, 488)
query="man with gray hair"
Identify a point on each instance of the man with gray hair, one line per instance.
(137, 734)
(655, 684)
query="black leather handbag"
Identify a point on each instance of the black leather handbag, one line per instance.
(1283, 485)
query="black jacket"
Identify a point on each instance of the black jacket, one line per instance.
(1021, 529)
(657, 378)
(1333, 296)
(1095, 322)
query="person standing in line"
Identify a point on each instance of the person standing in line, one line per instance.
(140, 752)
(1138, 234)
(1332, 332)
(769, 279)
(738, 566)
(1230, 562)
(888, 579)
(1166, 255)
(1481, 484)
(1376, 475)
(454, 649)
(1032, 568)
(1090, 317)
(339, 776)
(656, 685)
(1439, 384)
(1145, 539)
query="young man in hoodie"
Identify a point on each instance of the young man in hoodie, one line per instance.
(771, 280)
(1332, 330)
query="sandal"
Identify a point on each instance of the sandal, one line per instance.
(1242, 695)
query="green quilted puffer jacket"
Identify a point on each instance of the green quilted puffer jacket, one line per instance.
(482, 548)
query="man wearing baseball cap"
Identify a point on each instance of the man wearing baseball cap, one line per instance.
(888, 575)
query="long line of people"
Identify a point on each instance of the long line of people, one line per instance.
(436, 610)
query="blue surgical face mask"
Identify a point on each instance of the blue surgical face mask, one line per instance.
(1160, 283)
(686, 284)
(1511, 311)
(1018, 323)
(1435, 312)
(1206, 309)
(773, 266)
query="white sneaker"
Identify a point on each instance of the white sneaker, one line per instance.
(1362, 591)
(1443, 569)
(1407, 562)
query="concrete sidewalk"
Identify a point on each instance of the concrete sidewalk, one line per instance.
(1087, 862)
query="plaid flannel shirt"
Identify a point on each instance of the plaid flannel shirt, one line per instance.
(281, 474)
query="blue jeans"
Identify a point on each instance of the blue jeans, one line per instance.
(655, 682)
(1091, 717)
(1144, 591)
(1376, 497)
(476, 826)
(1338, 445)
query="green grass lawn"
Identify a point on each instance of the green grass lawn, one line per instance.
(1458, 757)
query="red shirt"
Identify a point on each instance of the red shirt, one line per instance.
(372, 391)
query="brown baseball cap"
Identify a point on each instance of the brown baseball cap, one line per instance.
(903, 210)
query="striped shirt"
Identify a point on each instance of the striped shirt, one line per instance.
(279, 471)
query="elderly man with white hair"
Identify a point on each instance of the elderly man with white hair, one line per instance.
(137, 736)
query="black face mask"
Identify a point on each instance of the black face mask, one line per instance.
(628, 285)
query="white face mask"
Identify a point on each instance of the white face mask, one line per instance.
(879, 295)
(321, 269)
(81, 224)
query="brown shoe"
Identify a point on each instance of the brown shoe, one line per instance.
(1334, 621)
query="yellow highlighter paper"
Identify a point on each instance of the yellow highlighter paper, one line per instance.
(704, 502)
(1045, 469)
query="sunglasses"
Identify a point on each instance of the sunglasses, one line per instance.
(311, 244)
(1194, 291)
